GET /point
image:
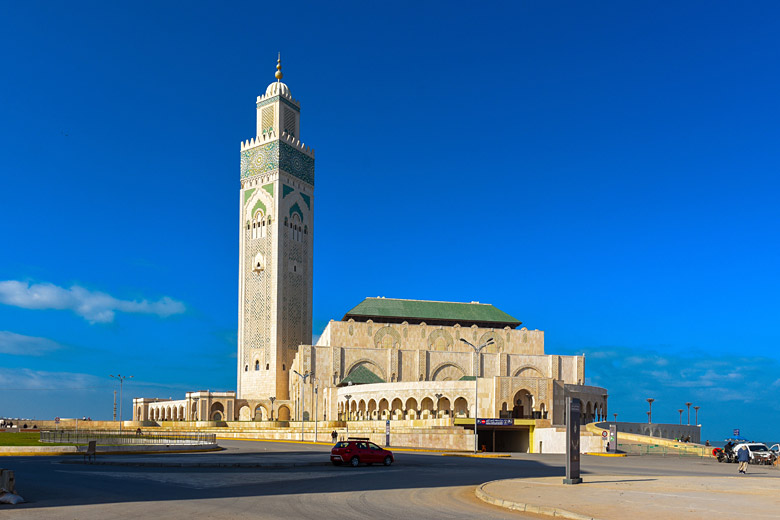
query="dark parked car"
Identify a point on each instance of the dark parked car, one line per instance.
(355, 451)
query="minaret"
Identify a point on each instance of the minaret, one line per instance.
(275, 260)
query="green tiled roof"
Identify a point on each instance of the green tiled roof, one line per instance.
(361, 376)
(415, 311)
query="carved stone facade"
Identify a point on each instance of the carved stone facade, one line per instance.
(276, 229)
(418, 362)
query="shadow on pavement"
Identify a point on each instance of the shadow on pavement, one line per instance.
(44, 482)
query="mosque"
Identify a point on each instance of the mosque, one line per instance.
(410, 362)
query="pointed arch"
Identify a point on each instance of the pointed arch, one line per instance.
(527, 371)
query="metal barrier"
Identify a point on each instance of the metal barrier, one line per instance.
(117, 438)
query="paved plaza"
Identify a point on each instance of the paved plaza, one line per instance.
(297, 481)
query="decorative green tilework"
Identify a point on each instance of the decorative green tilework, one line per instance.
(269, 188)
(277, 155)
(296, 209)
(296, 163)
(259, 205)
(260, 159)
(306, 199)
(248, 195)
(286, 190)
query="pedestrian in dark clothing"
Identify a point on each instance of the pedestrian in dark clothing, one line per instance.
(743, 456)
(334, 436)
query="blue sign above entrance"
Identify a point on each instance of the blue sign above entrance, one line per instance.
(496, 422)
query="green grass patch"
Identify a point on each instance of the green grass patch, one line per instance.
(26, 439)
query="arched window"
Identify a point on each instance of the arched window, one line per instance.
(257, 365)
(305, 230)
(297, 227)
(246, 368)
(267, 366)
(282, 366)
(258, 225)
(285, 221)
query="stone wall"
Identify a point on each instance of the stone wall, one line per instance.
(659, 430)
(403, 336)
(553, 440)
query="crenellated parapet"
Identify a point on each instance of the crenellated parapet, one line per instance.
(270, 136)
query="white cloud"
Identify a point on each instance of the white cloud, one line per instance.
(96, 307)
(27, 379)
(19, 345)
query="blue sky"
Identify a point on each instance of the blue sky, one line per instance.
(604, 172)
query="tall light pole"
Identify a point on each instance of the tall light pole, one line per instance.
(681, 411)
(477, 350)
(696, 408)
(121, 380)
(346, 417)
(303, 377)
(615, 417)
(316, 402)
(689, 412)
(650, 412)
(438, 398)
(272, 399)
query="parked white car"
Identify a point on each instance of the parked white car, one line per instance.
(759, 453)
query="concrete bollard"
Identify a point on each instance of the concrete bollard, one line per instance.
(7, 481)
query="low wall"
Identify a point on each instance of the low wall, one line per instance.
(449, 438)
(658, 430)
(20, 451)
(553, 440)
(670, 445)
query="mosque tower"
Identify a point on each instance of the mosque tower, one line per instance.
(275, 262)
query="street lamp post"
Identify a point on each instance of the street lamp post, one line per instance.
(315, 413)
(272, 399)
(304, 377)
(681, 411)
(438, 398)
(477, 350)
(689, 412)
(650, 412)
(615, 417)
(121, 379)
(346, 417)
(696, 408)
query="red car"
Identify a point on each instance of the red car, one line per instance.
(355, 451)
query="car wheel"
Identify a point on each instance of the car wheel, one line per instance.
(354, 461)
(388, 460)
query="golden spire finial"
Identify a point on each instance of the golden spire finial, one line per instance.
(279, 68)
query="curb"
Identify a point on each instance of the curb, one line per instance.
(478, 456)
(527, 508)
(595, 454)
(267, 465)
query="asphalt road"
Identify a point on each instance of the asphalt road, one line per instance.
(418, 485)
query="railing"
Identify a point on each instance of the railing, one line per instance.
(117, 438)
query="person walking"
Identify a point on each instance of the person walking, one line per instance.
(334, 436)
(743, 457)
